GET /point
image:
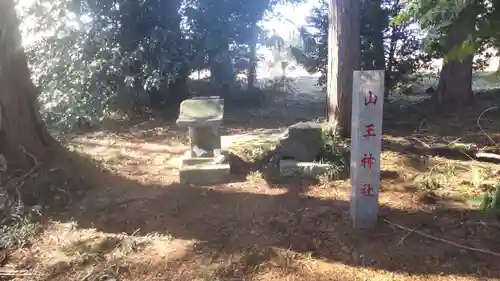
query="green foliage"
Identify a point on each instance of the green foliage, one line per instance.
(489, 202)
(314, 55)
(436, 17)
(401, 55)
(278, 87)
(18, 234)
(18, 222)
(97, 57)
(335, 149)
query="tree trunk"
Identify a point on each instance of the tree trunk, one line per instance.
(221, 69)
(390, 61)
(378, 40)
(372, 35)
(343, 59)
(455, 80)
(252, 70)
(23, 136)
(177, 91)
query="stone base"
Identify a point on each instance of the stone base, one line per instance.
(289, 168)
(203, 172)
(188, 161)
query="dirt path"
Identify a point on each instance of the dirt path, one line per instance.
(138, 223)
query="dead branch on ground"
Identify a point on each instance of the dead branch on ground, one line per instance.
(7, 272)
(421, 233)
(492, 157)
(481, 128)
(419, 147)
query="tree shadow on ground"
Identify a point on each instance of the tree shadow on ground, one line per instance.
(229, 220)
(448, 123)
(237, 120)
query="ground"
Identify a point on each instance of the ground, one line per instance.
(132, 220)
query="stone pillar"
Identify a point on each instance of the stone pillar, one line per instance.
(206, 139)
(366, 137)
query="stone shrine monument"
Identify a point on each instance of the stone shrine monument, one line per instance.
(204, 162)
(300, 148)
(366, 137)
(302, 142)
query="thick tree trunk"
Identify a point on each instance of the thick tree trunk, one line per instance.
(378, 40)
(393, 41)
(455, 80)
(177, 91)
(23, 136)
(252, 70)
(390, 61)
(379, 52)
(372, 35)
(343, 59)
(221, 69)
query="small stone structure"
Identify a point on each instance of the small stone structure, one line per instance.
(302, 142)
(299, 149)
(204, 163)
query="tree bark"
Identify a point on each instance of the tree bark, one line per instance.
(177, 91)
(343, 59)
(221, 68)
(23, 136)
(378, 43)
(252, 70)
(455, 79)
(390, 62)
(393, 41)
(372, 35)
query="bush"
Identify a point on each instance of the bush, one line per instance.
(335, 150)
(491, 200)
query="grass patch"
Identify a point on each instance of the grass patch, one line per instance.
(256, 149)
(254, 176)
(96, 249)
(18, 234)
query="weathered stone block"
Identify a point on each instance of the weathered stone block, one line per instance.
(201, 112)
(303, 142)
(204, 174)
(290, 168)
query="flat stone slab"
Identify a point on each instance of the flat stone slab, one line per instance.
(201, 112)
(197, 161)
(289, 168)
(204, 174)
(222, 158)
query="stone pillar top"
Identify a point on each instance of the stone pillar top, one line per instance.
(201, 112)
